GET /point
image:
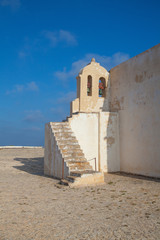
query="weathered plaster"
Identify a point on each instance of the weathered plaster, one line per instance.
(122, 128)
(92, 103)
(95, 128)
(135, 94)
(98, 136)
(109, 142)
(74, 107)
(52, 156)
(85, 128)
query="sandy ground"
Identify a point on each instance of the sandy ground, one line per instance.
(33, 207)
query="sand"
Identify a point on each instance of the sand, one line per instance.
(33, 206)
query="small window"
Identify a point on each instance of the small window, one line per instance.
(102, 86)
(89, 86)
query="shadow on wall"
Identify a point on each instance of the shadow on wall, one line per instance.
(110, 137)
(109, 142)
(33, 166)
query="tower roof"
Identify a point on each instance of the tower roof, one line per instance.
(93, 67)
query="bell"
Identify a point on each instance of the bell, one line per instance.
(100, 92)
(88, 90)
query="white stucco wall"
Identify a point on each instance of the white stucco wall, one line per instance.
(98, 136)
(135, 94)
(85, 128)
(52, 156)
(109, 142)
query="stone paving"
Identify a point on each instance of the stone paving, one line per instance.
(34, 207)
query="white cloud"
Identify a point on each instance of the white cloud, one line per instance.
(33, 116)
(31, 86)
(46, 40)
(67, 37)
(52, 37)
(14, 4)
(60, 36)
(106, 61)
(66, 98)
(22, 54)
(17, 89)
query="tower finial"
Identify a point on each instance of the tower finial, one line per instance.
(93, 60)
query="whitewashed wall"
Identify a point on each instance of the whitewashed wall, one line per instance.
(85, 128)
(135, 94)
(109, 142)
(52, 156)
(98, 136)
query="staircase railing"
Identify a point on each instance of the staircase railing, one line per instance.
(94, 162)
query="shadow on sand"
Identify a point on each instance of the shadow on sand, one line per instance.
(33, 166)
(136, 176)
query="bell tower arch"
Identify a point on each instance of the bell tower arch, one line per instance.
(92, 85)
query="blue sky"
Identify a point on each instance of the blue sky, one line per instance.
(44, 44)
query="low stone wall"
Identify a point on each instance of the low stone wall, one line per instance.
(13, 147)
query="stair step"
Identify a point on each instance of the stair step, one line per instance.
(70, 151)
(77, 154)
(78, 164)
(71, 178)
(67, 142)
(64, 182)
(69, 147)
(80, 173)
(76, 161)
(60, 126)
(59, 123)
(61, 130)
(72, 154)
(65, 135)
(69, 158)
(84, 180)
(79, 169)
(66, 139)
(67, 129)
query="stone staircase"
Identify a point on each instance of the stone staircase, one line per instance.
(80, 170)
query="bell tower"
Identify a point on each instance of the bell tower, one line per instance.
(92, 88)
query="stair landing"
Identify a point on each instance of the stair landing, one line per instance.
(83, 179)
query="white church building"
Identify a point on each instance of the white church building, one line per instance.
(114, 123)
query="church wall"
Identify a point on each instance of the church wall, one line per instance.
(98, 136)
(109, 142)
(52, 157)
(74, 106)
(85, 128)
(135, 95)
(48, 151)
